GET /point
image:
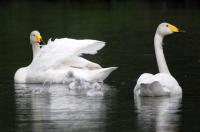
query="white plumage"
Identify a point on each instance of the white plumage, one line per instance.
(66, 52)
(55, 60)
(163, 83)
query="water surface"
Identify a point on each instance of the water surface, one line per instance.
(128, 29)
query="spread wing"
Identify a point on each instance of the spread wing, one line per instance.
(66, 52)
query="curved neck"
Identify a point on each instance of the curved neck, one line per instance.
(36, 49)
(162, 65)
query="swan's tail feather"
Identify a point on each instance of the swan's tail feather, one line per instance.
(153, 89)
(101, 74)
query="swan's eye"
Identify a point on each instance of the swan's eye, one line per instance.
(167, 25)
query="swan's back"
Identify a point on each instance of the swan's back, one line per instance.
(161, 84)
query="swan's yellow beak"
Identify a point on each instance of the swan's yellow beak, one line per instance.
(173, 28)
(38, 38)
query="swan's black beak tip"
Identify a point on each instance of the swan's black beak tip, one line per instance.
(182, 31)
(42, 42)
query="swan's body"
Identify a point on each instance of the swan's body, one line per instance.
(163, 83)
(55, 60)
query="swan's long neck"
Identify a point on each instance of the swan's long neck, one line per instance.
(36, 49)
(162, 65)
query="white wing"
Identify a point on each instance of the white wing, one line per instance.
(77, 47)
(66, 52)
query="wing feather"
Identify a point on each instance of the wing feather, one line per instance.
(65, 52)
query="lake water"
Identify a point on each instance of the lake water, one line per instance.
(128, 29)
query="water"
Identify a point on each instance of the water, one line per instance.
(60, 108)
(128, 28)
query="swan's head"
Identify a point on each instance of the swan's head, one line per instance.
(35, 38)
(166, 29)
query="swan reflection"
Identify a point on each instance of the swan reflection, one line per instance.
(58, 108)
(160, 114)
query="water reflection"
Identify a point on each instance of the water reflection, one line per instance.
(160, 114)
(57, 108)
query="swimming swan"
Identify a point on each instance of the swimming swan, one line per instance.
(163, 83)
(55, 60)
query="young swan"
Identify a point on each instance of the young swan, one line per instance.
(162, 83)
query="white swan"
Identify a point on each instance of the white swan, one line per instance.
(55, 60)
(163, 83)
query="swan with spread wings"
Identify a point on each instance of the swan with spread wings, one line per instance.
(55, 60)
